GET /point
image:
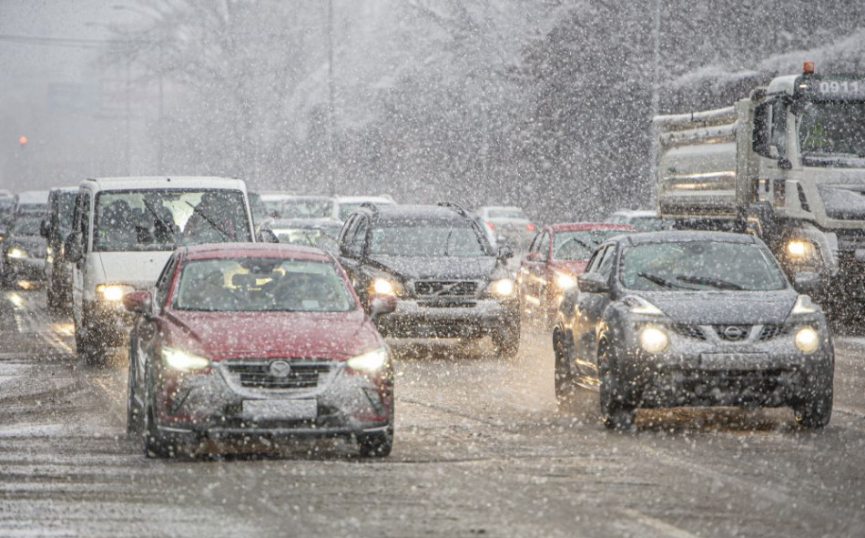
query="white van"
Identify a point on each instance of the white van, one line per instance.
(124, 231)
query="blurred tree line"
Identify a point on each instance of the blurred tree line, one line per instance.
(541, 103)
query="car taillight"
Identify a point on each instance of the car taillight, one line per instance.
(491, 225)
(530, 227)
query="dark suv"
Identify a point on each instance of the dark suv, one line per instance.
(448, 280)
(55, 229)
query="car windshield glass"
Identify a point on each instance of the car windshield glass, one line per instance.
(832, 130)
(306, 209)
(580, 245)
(507, 214)
(651, 224)
(262, 285)
(347, 209)
(426, 240)
(27, 225)
(162, 219)
(700, 265)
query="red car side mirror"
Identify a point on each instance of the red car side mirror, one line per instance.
(138, 302)
(532, 256)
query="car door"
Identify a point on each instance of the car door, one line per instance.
(589, 312)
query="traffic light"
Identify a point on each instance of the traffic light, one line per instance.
(22, 140)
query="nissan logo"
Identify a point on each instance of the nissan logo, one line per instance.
(280, 369)
(734, 333)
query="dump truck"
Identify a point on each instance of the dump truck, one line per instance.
(787, 164)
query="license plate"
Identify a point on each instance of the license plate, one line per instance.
(733, 361)
(280, 409)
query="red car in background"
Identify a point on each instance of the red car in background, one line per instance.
(256, 342)
(556, 256)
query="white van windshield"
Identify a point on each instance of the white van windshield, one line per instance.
(162, 219)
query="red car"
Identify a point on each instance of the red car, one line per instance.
(256, 342)
(556, 256)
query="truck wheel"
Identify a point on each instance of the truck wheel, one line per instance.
(616, 412)
(376, 445)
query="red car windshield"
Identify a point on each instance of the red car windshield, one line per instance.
(579, 245)
(262, 285)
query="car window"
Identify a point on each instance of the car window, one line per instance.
(27, 225)
(605, 266)
(700, 265)
(163, 283)
(149, 220)
(579, 245)
(507, 214)
(595, 260)
(544, 247)
(262, 285)
(357, 238)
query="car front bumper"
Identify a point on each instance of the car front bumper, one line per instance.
(773, 373)
(216, 405)
(471, 318)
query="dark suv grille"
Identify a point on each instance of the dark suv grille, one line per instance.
(773, 331)
(260, 374)
(445, 288)
(689, 331)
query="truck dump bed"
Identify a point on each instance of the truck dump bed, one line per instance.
(697, 164)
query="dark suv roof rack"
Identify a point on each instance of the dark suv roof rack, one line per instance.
(456, 207)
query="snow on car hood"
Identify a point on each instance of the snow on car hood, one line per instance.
(222, 335)
(722, 307)
(413, 268)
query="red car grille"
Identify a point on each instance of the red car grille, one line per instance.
(262, 374)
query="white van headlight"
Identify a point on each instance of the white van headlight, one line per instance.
(113, 292)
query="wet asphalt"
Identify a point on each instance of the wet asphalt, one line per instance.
(481, 450)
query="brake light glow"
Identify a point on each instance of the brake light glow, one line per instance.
(530, 227)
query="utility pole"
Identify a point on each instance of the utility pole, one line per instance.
(331, 105)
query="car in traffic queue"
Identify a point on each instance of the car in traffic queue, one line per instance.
(436, 260)
(346, 205)
(319, 233)
(55, 229)
(671, 319)
(240, 343)
(510, 225)
(24, 249)
(556, 256)
(643, 220)
(124, 230)
(7, 209)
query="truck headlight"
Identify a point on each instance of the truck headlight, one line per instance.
(17, 253)
(565, 281)
(183, 361)
(113, 292)
(369, 361)
(800, 249)
(807, 340)
(654, 339)
(503, 287)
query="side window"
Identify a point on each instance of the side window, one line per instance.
(595, 260)
(82, 218)
(760, 135)
(357, 242)
(164, 280)
(544, 246)
(779, 127)
(605, 267)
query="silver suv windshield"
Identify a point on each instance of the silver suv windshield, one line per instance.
(138, 220)
(426, 241)
(700, 265)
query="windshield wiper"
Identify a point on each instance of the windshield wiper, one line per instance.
(216, 227)
(655, 279)
(708, 281)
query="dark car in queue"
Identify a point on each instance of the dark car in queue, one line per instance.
(318, 233)
(556, 256)
(24, 251)
(448, 280)
(256, 341)
(671, 319)
(55, 229)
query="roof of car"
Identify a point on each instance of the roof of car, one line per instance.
(68, 190)
(637, 213)
(33, 197)
(253, 250)
(305, 223)
(165, 182)
(383, 200)
(685, 235)
(421, 212)
(580, 226)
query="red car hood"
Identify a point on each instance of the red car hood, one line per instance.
(574, 267)
(223, 335)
